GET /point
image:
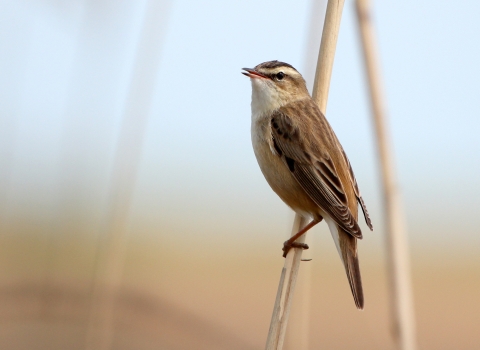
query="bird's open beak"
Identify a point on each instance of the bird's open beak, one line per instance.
(251, 73)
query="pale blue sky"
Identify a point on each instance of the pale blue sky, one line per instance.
(66, 68)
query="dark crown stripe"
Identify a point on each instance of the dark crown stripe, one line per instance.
(273, 64)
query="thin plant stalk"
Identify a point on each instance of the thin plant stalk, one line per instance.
(326, 55)
(290, 269)
(111, 254)
(286, 287)
(401, 301)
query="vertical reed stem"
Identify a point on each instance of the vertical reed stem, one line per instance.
(401, 304)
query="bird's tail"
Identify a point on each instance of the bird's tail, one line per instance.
(347, 248)
(349, 253)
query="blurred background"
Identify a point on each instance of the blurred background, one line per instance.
(126, 162)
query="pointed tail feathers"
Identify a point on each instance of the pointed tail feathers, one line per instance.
(348, 247)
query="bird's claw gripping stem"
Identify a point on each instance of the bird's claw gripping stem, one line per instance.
(287, 245)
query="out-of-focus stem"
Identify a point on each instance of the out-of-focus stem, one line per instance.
(111, 254)
(401, 301)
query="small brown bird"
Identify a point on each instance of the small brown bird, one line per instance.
(304, 163)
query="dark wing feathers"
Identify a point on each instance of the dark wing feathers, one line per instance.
(334, 203)
(357, 191)
(314, 171)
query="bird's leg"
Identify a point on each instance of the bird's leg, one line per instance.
(287, 245)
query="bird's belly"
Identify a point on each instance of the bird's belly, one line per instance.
(282, 181)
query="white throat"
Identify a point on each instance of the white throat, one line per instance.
(265, 98)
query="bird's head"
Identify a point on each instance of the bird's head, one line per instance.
(275, 84)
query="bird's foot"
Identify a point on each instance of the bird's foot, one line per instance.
(287, 245)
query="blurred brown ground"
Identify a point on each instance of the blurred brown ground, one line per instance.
(184, 294)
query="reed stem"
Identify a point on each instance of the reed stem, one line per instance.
(291, 267)
(398, 265)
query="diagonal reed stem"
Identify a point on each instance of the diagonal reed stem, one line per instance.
(111, 254)
(283, 302)
(401, 303)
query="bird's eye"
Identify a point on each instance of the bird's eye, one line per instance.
(280, 75)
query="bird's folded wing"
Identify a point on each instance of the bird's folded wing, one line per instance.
(357, 191)
(314, 170)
